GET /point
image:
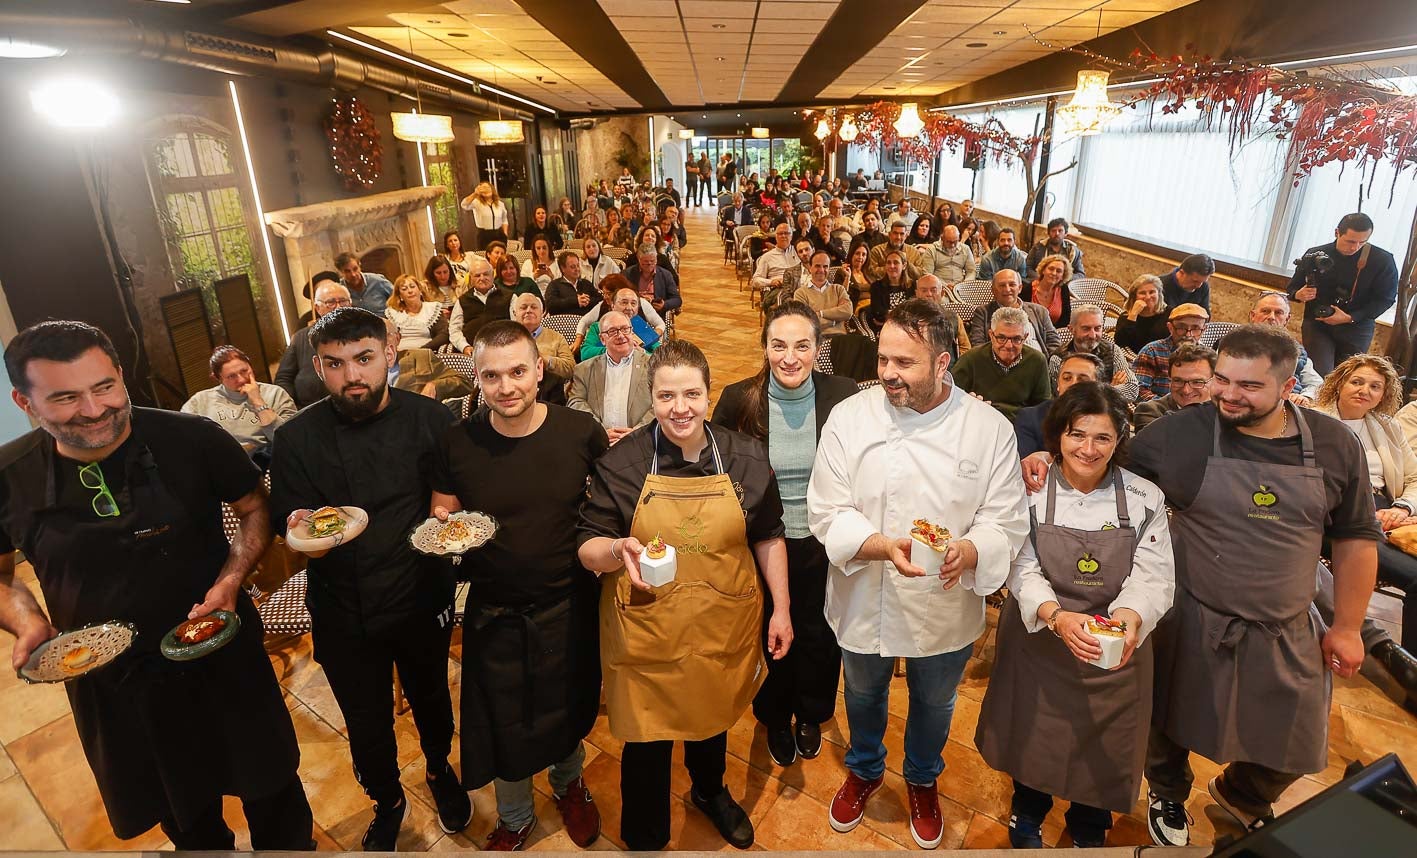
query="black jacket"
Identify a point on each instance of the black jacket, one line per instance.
(296, 373)
(831, 390)
(561, 296)
(475, 313)
(1376, 285)
(1028, 428)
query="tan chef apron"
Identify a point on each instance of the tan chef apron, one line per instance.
(684, 661)
(1240, 671)
(1050, 721)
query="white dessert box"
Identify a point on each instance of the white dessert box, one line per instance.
(927, 558)
(1112, 647)
(659, 572)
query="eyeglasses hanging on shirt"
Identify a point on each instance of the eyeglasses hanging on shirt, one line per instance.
(91, 477)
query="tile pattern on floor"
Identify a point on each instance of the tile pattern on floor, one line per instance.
(48, 799)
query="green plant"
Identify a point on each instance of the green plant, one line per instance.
(631, 155)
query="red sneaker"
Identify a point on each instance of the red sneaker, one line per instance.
(849, 806)
(926, 825)
(504, 839)
(579, 813)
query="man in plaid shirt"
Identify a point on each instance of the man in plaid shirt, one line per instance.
(1153, 364)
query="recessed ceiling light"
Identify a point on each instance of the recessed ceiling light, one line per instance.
(719, 59)
(435, 20)
(1001, 32)
(720, 26)
(887, 87)
(977, 45)
(458, 35)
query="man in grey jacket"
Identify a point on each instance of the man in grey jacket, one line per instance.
(948, 259)
(614, 387)
(1004, 257)
(1006, 286)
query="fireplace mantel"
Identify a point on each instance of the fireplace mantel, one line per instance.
(308, 220)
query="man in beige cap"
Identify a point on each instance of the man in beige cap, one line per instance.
(1152, 367)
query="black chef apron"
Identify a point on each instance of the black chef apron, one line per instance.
(165, 740)
(1053, 723)
(530, 683)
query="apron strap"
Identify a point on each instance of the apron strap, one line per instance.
(1124, 519)
(1306, 438)
(713, 443)
(1052, 495)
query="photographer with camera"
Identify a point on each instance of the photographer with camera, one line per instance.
(1344, 285)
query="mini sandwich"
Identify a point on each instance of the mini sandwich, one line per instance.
(325, 521)
(1112, 634)
(927, 545)
(76, 659)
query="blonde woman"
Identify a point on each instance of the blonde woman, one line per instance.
(1050, 290)
(489, 214)
(416, 309)
(1143, 320)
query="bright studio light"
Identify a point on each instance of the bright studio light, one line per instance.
(76, 103)
(24, 49)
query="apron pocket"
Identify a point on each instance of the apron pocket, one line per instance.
(724, 625)
(654, 632)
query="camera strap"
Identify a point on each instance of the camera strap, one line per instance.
(1362, 263)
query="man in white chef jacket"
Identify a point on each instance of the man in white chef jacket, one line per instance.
(916, 447)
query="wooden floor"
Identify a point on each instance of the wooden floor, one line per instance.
(48, 799)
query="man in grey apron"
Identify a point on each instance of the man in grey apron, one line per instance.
(1242, 661)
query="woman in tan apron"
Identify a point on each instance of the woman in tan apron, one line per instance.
(683, 660)
(1059, 725)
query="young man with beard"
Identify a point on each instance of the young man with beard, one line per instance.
(878, 470)
(118, 509)
(375, 604)
(531, 653)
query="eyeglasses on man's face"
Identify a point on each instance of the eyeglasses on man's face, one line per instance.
(335, 302)
(1190, 383)
(617, 333)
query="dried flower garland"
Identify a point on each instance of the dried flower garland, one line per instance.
(354, 143)
(942, 131)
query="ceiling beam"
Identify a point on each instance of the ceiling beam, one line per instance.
(589, 32)
(853, 30)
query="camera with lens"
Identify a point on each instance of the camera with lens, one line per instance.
(1311, 265)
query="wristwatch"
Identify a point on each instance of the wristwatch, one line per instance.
(1052, 621)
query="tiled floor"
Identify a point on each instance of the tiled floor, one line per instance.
(48, 799)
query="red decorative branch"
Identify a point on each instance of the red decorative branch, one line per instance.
(876, 124)
(354, 143)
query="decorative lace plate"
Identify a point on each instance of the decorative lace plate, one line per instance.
(78, 652)
(462, 532)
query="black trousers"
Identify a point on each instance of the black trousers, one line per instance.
(645, 789)
(1081, 818)
(803, 683)
(360, 671)
(1250, 786)
(280, 822)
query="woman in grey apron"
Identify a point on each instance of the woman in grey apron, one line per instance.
(1100, 546)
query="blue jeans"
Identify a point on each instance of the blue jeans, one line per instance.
(932, 682)
(515, 803)
(1330, 345)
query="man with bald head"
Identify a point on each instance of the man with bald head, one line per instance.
(948, 258)
(1006, 285)
(485, 301)
(1272, 308)
(555, 352)
(614, 386)
(931, 289)
(296, 373)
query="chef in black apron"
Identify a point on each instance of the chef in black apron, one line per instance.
(375, 604)
(137, 537)
(531, 650)
(1100, 545)
(1243, 662)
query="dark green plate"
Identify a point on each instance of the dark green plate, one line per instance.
(178, 652)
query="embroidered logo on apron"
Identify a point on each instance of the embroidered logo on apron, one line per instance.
(1263, 500)
(690, 529)
(1088, 568)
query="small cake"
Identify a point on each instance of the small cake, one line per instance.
(76, 659)
(1112, 634)
(657, 562)
(928, 543)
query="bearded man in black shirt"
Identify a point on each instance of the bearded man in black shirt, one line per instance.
(375, 604)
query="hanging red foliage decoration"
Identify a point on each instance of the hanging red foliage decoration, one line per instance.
(354, 143)
(876, 124)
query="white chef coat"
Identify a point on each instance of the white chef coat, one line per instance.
(878, 468)
(1149, 588)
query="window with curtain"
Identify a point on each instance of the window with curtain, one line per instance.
(438, 159)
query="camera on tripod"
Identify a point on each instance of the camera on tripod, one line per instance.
(1311, 265)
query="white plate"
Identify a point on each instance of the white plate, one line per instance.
(106, 641)
(427, 536)
(299, 539)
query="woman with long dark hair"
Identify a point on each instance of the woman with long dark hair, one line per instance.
(922, 231)
(785, 405)
(453, 250)
(891, 289)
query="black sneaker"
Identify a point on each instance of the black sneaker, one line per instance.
(727, 816)
(1094, 838)
(1168, 821)
(383, 833)
(809, 739)
(454, 806)
(1025, 833)
(782, 746)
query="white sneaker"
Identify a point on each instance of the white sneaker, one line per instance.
(1168, 821)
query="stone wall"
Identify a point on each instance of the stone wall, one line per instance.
(597, 147)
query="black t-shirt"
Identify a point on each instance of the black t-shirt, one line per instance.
(620, 475)
(1172, 453)
(534, 487)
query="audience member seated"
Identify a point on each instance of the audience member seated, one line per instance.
(904, 214)
(650, 235)
(417, 314)
(872, 206)
(495, 253)
(774, 264)
(1028, 423)
(541, 265)
(822, 239)
(1143, 319)
(1040, 333)
(1050, 289)
(895, 241)
(445, 280)
(894, 286)
(569, 293)
(1186, 324)
(921, 232)
(1004, 257)
(509, 276)
(617, 233)
(1003, 372)
(296, 373)
(627, 304)
(853, 277)
(1090, 337)
(930, 288)
(485, 302)
(555, 351)
(829, 300)
(971, 236)
(836, 219)
(368, 290)
(945, 215)
(949, 259)
(308, 317)
(453, 251)
(597, 264)
(1189, 282)
(1190, 372)
(653, 281)
(541, 226)
(869, 234)
(420, 371)
(738, 214)
(802, 227)
(614, 385)
(1272, 308)
(608, 287)
(1057, 243)
(249, 410)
